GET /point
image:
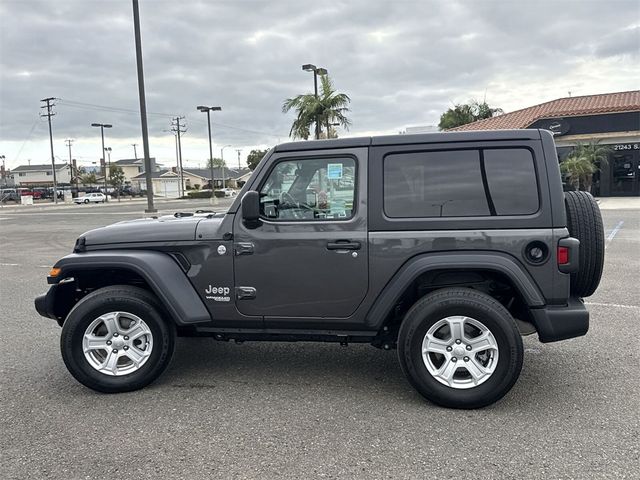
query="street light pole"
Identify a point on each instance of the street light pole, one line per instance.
(143, 108)
(222, 158)
(203, 108)
(104, 164)
(316, 71)
(135, 152)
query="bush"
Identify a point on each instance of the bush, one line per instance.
(198, 194)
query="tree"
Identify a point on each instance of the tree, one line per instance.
(254, 157)
(88, 179)
(116, 178)
(461, 114)
(217, 163)
(328, 108)
(583, 162)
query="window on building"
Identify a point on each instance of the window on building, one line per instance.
(460, 183)
(310, 189)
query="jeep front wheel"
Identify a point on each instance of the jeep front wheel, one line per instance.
(460, 348)
(115, 340)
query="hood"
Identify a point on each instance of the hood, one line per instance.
(170, 228)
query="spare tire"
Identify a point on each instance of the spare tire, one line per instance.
(584, 222)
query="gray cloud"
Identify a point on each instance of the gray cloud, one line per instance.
(401, 62)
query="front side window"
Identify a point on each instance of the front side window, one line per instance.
(310, 189)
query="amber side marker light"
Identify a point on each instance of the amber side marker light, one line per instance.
(54, 272)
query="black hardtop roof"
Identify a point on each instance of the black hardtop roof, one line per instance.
(408, 139)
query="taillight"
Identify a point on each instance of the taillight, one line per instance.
(563, 255)
(567, 254)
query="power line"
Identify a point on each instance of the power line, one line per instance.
(106, 108)
(94, 106)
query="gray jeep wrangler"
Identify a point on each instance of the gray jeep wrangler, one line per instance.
(448, 246)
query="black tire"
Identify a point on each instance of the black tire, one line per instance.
(86, 201)
(471, 303)
(584, 222)
(108, 299)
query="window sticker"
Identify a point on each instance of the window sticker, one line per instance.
(334, 171)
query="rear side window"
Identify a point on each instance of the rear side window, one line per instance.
(434, 184)
(511, 178)
(460, 183)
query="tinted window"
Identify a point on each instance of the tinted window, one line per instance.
(310, 189)
(434, 184)
(511, 178)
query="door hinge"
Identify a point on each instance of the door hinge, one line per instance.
(243, 248)
(245, 293)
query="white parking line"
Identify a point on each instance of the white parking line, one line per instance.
(613, 233)
(71, 213)
(614, 305)
(18, 265)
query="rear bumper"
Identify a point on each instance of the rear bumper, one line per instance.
(563, 322)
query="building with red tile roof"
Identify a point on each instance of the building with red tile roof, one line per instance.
(611, 119)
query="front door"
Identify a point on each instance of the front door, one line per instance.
(625, 173)
(307, 259)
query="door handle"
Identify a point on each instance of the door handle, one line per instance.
(343, 245)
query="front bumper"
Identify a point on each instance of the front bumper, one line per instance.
(562, 322)
(45, 304)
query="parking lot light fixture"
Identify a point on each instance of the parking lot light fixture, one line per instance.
(208, 110)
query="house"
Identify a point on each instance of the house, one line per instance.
(132, 167)
(611, 119)
(199, 178)
(41, 175)
(165, 183)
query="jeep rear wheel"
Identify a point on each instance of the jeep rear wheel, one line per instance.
(584, 222)
(460, 348)
(116, 340)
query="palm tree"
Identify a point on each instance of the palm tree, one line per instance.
(329, 107)
(583, 162)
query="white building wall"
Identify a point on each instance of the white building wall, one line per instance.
(63, 175)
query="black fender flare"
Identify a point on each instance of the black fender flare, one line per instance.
(163, 274)
(476, 260)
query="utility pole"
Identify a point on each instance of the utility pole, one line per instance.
(72, 163)
(49, 105)
(135, 152)
(177, 129)
(239, 150)
(143, 108)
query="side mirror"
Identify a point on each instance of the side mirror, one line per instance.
(251, 206)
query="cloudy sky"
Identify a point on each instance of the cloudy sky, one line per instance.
(402, 63)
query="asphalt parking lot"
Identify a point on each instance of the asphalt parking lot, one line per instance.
(261, 410)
